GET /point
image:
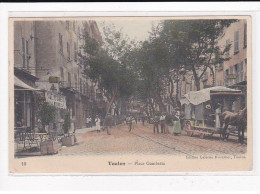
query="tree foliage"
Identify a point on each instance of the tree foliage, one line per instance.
(106, 69)
(193, 44)
(123, 68)
(47, 113)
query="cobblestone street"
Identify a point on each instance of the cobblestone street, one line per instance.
(141, 140)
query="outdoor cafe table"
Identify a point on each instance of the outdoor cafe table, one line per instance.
(29, 137)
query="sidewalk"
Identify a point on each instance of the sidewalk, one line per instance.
(84, 130)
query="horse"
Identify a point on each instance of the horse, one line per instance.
(235, 119)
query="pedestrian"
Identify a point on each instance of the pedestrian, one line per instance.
(163, 122)
(143, 118)
(129, 121)
(135, 118)
(89, 122)
(156, 121)
(98, 128)
(177, 124)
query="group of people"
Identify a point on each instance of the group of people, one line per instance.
(96, 124)
(162, 120)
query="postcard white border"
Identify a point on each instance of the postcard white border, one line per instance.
(181, 8)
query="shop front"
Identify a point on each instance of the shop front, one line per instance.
(24, 103)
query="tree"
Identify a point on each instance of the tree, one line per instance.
(111, 77)
(105, 69)
(193, 44)
(149, 72)
(47, 114)
(66, 124)
(115, 43)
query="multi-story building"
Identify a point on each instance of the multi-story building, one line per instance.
(235, 70)
(24, 74)
(48, 50)
(231, 73)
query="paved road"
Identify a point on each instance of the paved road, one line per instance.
(141, 140)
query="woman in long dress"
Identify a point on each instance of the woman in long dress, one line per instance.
(177, 124)
(98, 124)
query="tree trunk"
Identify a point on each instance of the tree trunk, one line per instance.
(108, 109)
(213, 77)
(196, 78)
(146, 110)
(152, 106)
(159, 101)
(197, 83)
(177, 91)
(171, 91)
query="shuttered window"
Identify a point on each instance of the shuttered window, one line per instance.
(62, 74)
(61, 43)
(245, 35)
(23, 51)
(236, 42)
(69, 80)
(68, 50)
(27, 53)
(75, 51)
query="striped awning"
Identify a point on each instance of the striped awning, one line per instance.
(22, 86)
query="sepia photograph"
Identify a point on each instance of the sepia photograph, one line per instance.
(130, 94)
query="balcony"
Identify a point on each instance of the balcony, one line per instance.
(66, 87)
(232, 79)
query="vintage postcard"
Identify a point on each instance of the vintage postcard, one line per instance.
(130, 94)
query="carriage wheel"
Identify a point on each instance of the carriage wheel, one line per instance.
(227, 135)
(221, 136)
(224, 136)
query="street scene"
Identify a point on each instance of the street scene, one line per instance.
(134, 86)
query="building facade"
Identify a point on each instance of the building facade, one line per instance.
(48, 50)
(231, 73)
(24, 75)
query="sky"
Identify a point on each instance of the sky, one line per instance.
(137, 29)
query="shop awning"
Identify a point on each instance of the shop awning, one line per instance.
(22, 85)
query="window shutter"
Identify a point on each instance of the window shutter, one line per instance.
(23, 51)
(236, 42)
(245, 35)
(27, 53)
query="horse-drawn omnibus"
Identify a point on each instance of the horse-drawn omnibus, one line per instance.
(199, 109)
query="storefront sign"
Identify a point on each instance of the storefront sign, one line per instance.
(54, 79)
(231, 76)
(56, 100)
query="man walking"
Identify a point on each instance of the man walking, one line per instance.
(163, 122)
(156, 121)
(143, 118)
(129, 121)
